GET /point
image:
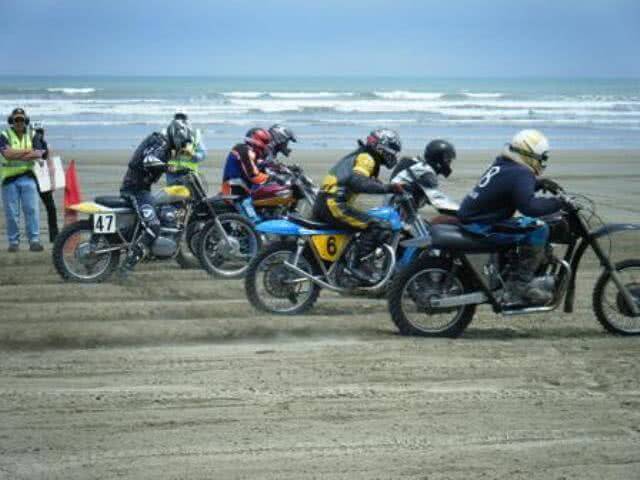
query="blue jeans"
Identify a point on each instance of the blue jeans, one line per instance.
(21, 192)
(514, 231)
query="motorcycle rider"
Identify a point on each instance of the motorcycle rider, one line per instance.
(191, 156)
(149, 161)
(508, 185)
(438, 157)
(280, 138)
(241, 169)
(354, 174)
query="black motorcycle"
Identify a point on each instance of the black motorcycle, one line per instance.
(437, 295)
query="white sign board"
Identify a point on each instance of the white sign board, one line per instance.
(50, 174)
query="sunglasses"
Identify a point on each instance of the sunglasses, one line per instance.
(18, 120)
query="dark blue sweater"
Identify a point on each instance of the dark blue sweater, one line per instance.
(505, 187)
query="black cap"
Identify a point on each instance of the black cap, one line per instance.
(18, 112)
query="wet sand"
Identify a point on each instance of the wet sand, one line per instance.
(178, 377)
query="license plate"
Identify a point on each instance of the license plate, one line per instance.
(104, 223)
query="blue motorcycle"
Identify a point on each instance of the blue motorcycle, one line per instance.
(287, 276)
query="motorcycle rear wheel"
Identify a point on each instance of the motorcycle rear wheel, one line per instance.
(269, 283)
(71, 260)
(411, 290)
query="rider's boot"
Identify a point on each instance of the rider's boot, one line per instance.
(136, 253)
(521, 285)
(366, 245)
(360, 270)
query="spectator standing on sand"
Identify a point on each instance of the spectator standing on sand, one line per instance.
(19, 187)
(39, 143)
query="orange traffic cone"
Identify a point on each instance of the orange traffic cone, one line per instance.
(72, 194)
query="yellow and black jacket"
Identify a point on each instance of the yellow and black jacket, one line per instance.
(356, 173)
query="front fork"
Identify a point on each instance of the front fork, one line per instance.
(606, 263)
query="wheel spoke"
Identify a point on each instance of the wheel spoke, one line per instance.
(427, 284)
(616, 312)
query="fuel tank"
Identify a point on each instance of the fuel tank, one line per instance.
(273, 195)
(173, 194)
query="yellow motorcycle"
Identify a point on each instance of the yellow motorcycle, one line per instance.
(89, 250)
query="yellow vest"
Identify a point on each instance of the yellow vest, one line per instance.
(13, 168)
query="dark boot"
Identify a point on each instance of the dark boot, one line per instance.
(521, 285)
(134, 255)
(367, 243)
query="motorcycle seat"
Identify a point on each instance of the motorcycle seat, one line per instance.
(453, 237)
(113, 201)
(309, 223)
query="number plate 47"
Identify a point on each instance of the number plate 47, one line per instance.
(104, 223)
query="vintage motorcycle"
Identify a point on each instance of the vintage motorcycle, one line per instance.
(89, 250)
(438, 293)
(287, 276)
(290, 191)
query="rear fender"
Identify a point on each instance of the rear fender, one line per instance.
(90, 208)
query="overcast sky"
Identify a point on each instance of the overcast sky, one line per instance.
(592, 38)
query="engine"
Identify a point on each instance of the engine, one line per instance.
(171, 226)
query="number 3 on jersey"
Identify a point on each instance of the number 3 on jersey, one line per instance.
(486, 178)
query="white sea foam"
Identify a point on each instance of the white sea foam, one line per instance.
(243, 94)
(406, 95)
(71, 90)
(482, 95)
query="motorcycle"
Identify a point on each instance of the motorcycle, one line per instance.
(291, 191)
(438, 293)
(89, 250)
(287, 276)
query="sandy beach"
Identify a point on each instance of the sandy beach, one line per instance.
(178, 377)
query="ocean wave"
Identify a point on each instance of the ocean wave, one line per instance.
(72, 90)
(407, 95)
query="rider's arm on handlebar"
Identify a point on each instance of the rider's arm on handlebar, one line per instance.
(528, 204)
(361, 184)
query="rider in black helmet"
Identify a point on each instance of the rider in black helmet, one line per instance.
(149, 161)
(281, 136)
(438, 157)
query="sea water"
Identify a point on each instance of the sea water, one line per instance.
(98, 112)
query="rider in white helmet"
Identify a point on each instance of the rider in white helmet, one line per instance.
(509, 185)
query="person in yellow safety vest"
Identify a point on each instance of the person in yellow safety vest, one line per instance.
(188, 158)
(19, 186)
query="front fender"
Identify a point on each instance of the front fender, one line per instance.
(611, 228)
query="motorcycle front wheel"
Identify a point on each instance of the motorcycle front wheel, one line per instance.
(609, 304)
(411, 292)
(228, 256)
(74, 254)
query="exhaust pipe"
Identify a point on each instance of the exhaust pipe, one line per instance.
(459, 300)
